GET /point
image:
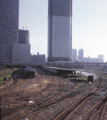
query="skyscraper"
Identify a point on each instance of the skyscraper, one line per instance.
(59, 30)
(23, 36)
(80, 55)
(74, 55)
(101, 58)
(9, 10)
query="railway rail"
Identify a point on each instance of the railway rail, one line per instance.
(66, 114)
(57, 88)
(43, 106)
(104, 113)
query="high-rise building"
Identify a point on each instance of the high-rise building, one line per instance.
(24, 36)
(74, 55)
(14, 43)
(101, 58)
(80, 55)
(9, 10)
(59, 30)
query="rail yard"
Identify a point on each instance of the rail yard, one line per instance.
(48, 96)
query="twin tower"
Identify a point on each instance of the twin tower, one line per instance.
(59, 30)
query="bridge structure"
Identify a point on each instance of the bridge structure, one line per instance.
(62, 64)
(77, 65)
(21, 64)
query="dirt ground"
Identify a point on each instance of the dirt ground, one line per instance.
(40, 98)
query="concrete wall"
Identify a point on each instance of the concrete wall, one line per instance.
(21, 53)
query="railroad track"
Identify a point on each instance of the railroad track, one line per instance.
(44, 106)
(68, 112)
(50, 99)
(95, 111)
(42, 87)
(56, 90)
(11, 87)
(18, 85)
(103, 115)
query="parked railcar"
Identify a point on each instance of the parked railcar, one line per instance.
(29, 71)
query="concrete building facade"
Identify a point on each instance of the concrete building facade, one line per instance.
(81, 55)
(74, 55)
(59, 30)
(38, 59)
(24, 36)
(90, 60)
(9, 10)
(21, 53)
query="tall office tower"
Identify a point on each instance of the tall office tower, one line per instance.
(24, 36)
(74, 55)
(101, 58)
(9, 10)
(59, 30)
(80, 55)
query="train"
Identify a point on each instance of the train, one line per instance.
(29, 71)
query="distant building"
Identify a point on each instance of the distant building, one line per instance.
(74, 55)
(9, 10)
(90, 60)
(80, 55)
(59, 30)
(38, 59)
(24, 36)
(101, 58)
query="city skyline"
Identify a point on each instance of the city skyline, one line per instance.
(89, 25)
(79, 56)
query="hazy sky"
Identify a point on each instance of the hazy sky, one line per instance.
(89, 26)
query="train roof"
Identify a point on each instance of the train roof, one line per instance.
(29, 68)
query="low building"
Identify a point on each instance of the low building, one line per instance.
(90, 60)
(38, 59)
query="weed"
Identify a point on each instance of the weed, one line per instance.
(4, 75)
